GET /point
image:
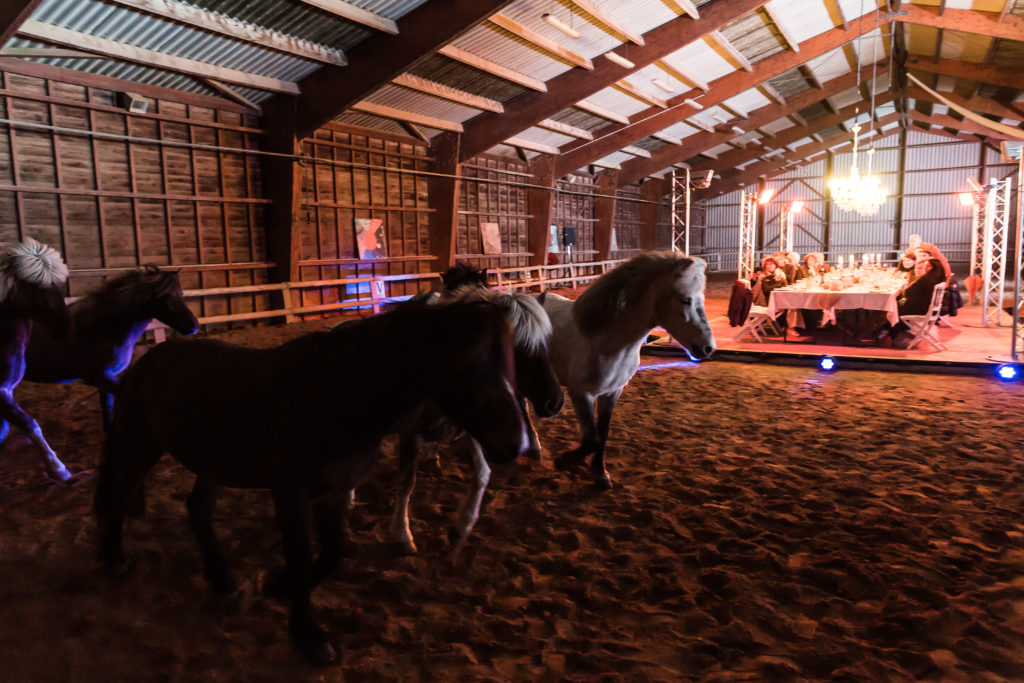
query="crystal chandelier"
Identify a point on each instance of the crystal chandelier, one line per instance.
(863, 194)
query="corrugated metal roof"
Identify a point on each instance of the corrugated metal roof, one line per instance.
(457, 75)
(753, 37)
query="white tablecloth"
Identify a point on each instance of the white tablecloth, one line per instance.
(876, 298)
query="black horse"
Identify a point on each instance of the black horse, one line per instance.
(300, 418)
(32, 277)
(106, 323)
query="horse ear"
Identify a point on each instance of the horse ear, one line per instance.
(541, 297)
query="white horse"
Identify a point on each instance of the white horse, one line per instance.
(596, 339)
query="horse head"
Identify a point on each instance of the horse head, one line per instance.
(464, 276)
(32, 277)
(476, 387)
(166, 301)
(680, 308)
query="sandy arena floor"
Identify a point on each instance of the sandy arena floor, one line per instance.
(767, 523)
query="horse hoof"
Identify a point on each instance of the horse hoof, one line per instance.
(603, 483)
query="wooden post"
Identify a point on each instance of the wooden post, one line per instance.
(282, 185)
(539, 205)
(653, 190)
(443, 192)
(604, 213)
(898, 217)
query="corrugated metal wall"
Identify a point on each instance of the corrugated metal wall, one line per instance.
(936, 169)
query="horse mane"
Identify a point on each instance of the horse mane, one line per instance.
(463, 276)
(530, 322)
(616, 292)
(130, 291)
(31, 262)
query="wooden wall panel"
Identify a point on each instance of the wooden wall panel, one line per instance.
(627, 222)
(497, 197)
(116, 204)
(574, 207)
(349, 177)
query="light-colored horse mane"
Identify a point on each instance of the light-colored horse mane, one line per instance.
(31, 262)
(616, 292)
(529, 321)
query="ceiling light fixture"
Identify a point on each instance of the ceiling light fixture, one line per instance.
(621, 61)
(560, 25)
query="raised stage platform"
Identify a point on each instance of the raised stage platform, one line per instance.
(970, 347)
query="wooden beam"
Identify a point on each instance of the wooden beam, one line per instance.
(536, 39)
(609, 21)
(636, 151)
(239, 30)
(970, 71)
(282, 185)
(937, 55)
(791, 42)
(603, 112)
(565, 129)
(665, 137)
(716, 40)
(56, 35)
(979, 105)
(641, 94)
(443, 190)
(769, 90)
(493, 68)
(414, 131)
(539, 203)
(232, 94)
(49, 53)
(966, 126)
(485, 130)
(402, 115)
(688, 7)
(448, 93)
(604, 213)
(330, 90)
(681, 74)
(750, 174)
(12, 14)
(610, 138)
(835, 13)
(634, 170)
(523, 143)
(355, 14)
(989, 24)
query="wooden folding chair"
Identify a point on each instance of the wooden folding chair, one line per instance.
(758, 323)
(922, 327)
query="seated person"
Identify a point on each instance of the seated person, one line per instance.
(788, 266)
(769, 278)
(814, 264)
(917, 297)
(929, 250)
(906, 265)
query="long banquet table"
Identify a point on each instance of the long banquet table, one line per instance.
(876, 291)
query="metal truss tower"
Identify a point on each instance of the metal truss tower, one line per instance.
(748, 233)
(681, 211)
(996, 220)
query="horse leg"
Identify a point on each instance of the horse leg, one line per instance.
(201, 504)
(408, 452)
(331, 535)
(125, 463)
(470, 510)
(291, 505)
(605, 405)
(11, 411)
(533, 452)
(584, 406)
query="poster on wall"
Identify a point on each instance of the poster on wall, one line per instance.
(370, 238)
(553, 247)
(491, 238)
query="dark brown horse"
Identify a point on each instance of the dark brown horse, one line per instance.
(299, 418)
(106, 324)
(32, 277)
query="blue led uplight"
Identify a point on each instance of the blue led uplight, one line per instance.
(827, 363)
